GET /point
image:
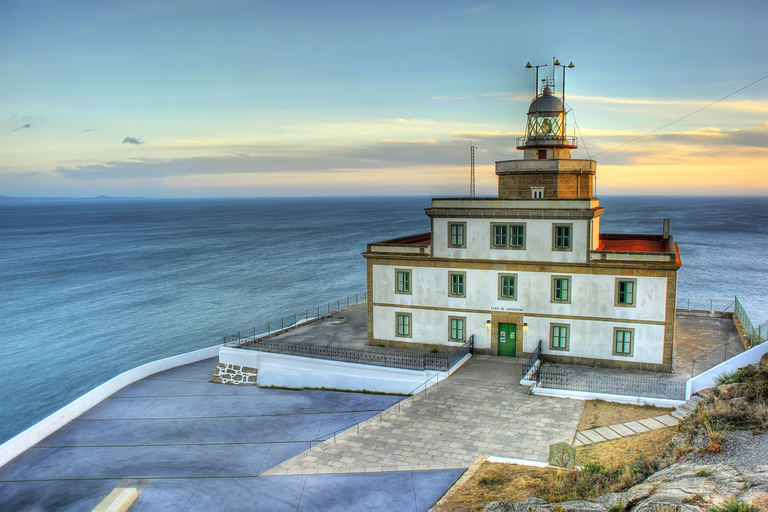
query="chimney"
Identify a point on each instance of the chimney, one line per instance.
(665, 235)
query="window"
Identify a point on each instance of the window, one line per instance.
(456, 235)
(456, 284)
(561, 237)
(508, 286)
(403, 281)
(625, 292)
(403, 324)
(622, 341)
(537, 192)
(456, 328)
(508, 235)
(559, 337)
(561, 289)
(517, 235)
(500, 232)
(542, 154)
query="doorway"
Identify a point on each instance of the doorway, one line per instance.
(507, 339)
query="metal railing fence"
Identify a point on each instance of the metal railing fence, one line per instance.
(391, 358)
(755, 335)
(533, 361)
(612, 384)
(699, 304)
(264, 329)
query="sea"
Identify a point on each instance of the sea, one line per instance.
(91, 288)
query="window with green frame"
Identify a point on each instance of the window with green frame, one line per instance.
(403, 324)
(456, 235)
(626, 293)
(507, 287)
(457, 329)
(561, 289)
(559, 339)
(623, 342)
(508, 235)
(500, 235)
(517, 235)
(403, 281)
(562, 237)
(457, 285)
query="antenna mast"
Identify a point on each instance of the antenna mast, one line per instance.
(472, 170)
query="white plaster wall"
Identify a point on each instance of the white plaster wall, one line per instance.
(301, 372)
(538, 241)
(595, 339)
(708, 378)
(591, 295)
(430, 326)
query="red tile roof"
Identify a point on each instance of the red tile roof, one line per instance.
(633, 243)
(422, 239)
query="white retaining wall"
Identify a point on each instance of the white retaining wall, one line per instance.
(621, 399)
(45, 427)
(707, 379)
(288, 371)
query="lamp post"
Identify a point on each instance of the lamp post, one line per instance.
(536, 84)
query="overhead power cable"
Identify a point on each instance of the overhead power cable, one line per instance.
(680, 119)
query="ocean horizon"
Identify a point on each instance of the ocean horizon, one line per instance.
(92, 287)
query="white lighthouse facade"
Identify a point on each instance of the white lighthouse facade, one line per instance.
(529, 266)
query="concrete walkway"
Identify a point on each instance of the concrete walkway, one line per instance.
(629, 428)
(192, 445)
(480, 410)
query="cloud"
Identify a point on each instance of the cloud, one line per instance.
(132, 140)
(479, 8)
(753, 106)
(28, 125)
(269, 160)
(452, 98)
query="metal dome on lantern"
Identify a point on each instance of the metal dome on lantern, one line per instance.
(547, 114)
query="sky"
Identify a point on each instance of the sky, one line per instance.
(198, 98)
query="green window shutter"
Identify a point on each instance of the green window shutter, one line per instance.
(403, 325)
(623, 342)
(500, 236)
(457, 329)
(403, 281)
(626, 292)
(517, 236)
(508, 287)
(457, 234)
(561, 289)
(559, 336)
(457, 284)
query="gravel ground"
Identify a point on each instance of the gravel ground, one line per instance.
(742, 449)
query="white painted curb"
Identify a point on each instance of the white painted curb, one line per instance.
(47, 426)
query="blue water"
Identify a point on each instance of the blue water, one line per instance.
(89, 289)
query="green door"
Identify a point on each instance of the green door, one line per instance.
(508, 340)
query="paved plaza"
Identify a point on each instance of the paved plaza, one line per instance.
(193, 445)
(480, 410)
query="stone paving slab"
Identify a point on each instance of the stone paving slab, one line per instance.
(651, 423)
(480, 410)
(622, 430)
(607, 433)
(594, 437)
(636, 427)
(667, 420)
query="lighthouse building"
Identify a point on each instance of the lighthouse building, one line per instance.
(529, 266)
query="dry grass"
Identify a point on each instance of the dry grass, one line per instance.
(598, 413)
(615, 453)
(489, 482)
